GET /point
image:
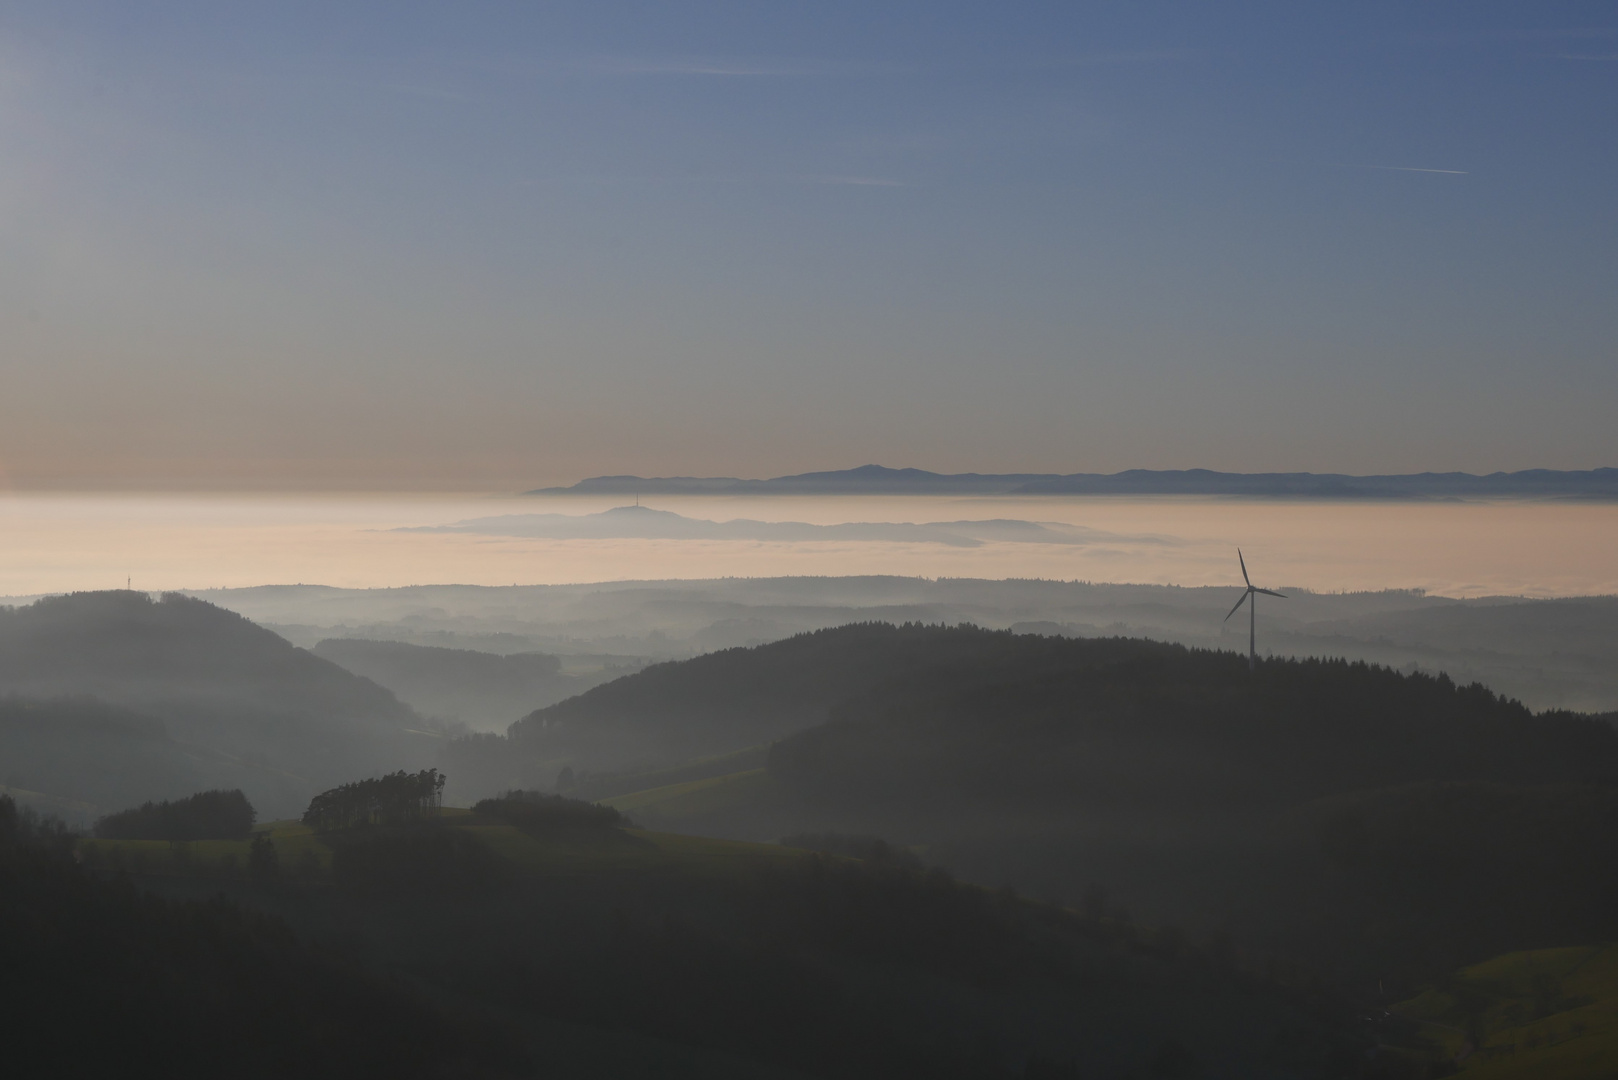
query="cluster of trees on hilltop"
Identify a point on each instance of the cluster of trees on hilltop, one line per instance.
(539, 811)
(394, 799)
(207, 815)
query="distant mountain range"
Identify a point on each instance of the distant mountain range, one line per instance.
(641, 522)
(878, 480)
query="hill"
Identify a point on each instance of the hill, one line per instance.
(1194, 790)
(920, 699)
(76, 756)
(672, 713)
(110, 981)
(249, 709)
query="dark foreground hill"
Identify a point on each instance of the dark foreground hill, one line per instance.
(105, 980)
(236, 705)
(611, 952)
(1194, 790)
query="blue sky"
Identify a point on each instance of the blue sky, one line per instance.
(494, 245)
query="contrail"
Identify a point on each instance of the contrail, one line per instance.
(1407, 168)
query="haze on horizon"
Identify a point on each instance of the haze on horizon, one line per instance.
(497, 246)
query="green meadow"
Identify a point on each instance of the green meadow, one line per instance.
(298, 848)
(1548, 1014)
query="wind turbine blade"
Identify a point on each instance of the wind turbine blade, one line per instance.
(1239, 603)
(1244, 568)
(1267, 592)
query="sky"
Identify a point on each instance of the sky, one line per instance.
(486, 246)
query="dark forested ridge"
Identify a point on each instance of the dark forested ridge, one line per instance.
(1197, 791)
(884, 707)
(1138, 725)
(723, 702)
(251, 710)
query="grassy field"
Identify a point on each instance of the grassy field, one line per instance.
(749, 804)
(573, 852)
(695, 798)
(1550, 1014)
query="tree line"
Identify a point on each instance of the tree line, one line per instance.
(543, 812)
(207, 815)
(395, 799)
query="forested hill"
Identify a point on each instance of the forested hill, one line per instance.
(729, 700)
(1134, 725)
(125, 645)
(1022, 714)
(1313, 809)
(251, 710)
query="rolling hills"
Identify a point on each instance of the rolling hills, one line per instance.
(223, 702)
(1193, 790)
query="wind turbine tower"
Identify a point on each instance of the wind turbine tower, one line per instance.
(1250, 598)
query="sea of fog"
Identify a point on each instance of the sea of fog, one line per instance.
(62, 542)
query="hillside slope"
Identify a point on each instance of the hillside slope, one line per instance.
(252, 710)
(894, 690)
(1196, 791)
(779, 958)
(1551, 1014)
(78, 757)
(102, 976)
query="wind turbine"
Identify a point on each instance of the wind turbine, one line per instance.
(1250, 599)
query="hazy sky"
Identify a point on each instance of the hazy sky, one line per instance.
(482, 246)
